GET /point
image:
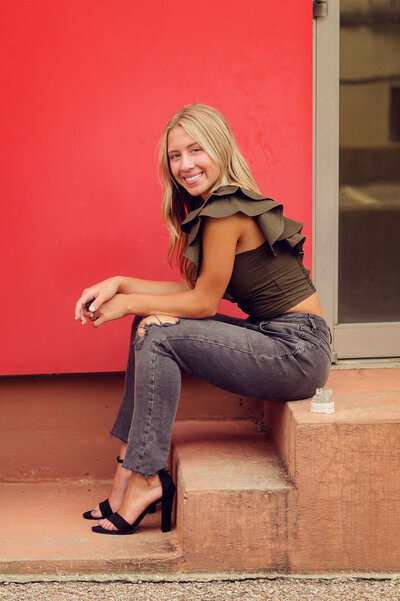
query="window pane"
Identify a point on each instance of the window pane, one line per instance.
(369, 200)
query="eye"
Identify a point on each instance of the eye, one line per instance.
(173, 156)
(197, 149)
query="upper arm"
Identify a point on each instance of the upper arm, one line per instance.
(219, 242)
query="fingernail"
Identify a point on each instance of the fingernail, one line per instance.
(92, 308)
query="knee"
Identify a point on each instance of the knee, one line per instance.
(152, 320)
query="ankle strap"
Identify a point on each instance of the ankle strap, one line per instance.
(120, 460)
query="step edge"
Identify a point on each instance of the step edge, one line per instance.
(181, 576)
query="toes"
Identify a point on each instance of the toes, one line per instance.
(107, 525)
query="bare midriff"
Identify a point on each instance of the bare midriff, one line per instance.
(309, 305)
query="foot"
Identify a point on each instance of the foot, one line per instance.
(140, 493)
(118, 490)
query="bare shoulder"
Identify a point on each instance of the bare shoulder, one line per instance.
(244, 228)
(229, 221)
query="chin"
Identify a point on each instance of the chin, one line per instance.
(195, 192)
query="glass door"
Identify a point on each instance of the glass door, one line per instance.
(365, 213)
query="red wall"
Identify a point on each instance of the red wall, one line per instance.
(88, 86)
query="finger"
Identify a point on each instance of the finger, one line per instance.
(87, 297)
(79, 307)
(95, 303)
(81, 317)
(93, 316)
(83, 313)
(97, 321)
(80, 303)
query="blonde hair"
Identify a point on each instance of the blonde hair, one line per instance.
(210, 130)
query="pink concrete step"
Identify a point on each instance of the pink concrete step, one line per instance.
(236, 506)
(324, 499)
(233, 510)
(43, 533)
(345, 467)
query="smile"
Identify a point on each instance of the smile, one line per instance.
(193, 178)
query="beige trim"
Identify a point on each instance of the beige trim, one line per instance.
(350, 341)
(326, 159)
(353, 341)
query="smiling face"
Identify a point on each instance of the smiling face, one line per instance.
(190, 165)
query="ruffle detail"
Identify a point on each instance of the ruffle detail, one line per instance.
(281, 233)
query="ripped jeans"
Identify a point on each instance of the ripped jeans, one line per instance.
(280, 359)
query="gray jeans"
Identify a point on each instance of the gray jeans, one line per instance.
(280, 359)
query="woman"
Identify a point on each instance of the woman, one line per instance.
(229, 241)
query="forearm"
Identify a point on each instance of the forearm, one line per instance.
(187, 304)
(123, 296)
(128, 285)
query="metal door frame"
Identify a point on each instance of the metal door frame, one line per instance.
(350, 341)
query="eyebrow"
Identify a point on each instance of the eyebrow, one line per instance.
(188, 146)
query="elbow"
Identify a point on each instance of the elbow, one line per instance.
(204, 305)
(208, 311)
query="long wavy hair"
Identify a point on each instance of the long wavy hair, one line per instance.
(210, 130)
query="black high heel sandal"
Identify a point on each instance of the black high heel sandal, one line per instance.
(167, 499)
(105, 507)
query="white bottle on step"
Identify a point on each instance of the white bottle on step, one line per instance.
(322, 401)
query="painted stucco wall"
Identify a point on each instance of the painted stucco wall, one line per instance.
(87, 89)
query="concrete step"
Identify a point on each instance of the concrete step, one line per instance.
(43, 534)
(236, 507)
(346, 470)
(233, 511)
(320, 494)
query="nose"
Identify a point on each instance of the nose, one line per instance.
(187, 161)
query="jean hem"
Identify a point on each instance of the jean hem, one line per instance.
(118, 436)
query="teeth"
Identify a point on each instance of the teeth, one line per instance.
(193, 179)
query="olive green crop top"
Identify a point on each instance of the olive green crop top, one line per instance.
(267, 280)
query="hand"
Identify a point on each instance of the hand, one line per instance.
(115, 308)
(92, 298)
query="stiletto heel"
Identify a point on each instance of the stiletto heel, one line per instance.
(168, 488)
(124, 527)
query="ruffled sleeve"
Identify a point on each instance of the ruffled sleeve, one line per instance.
(281, 233)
